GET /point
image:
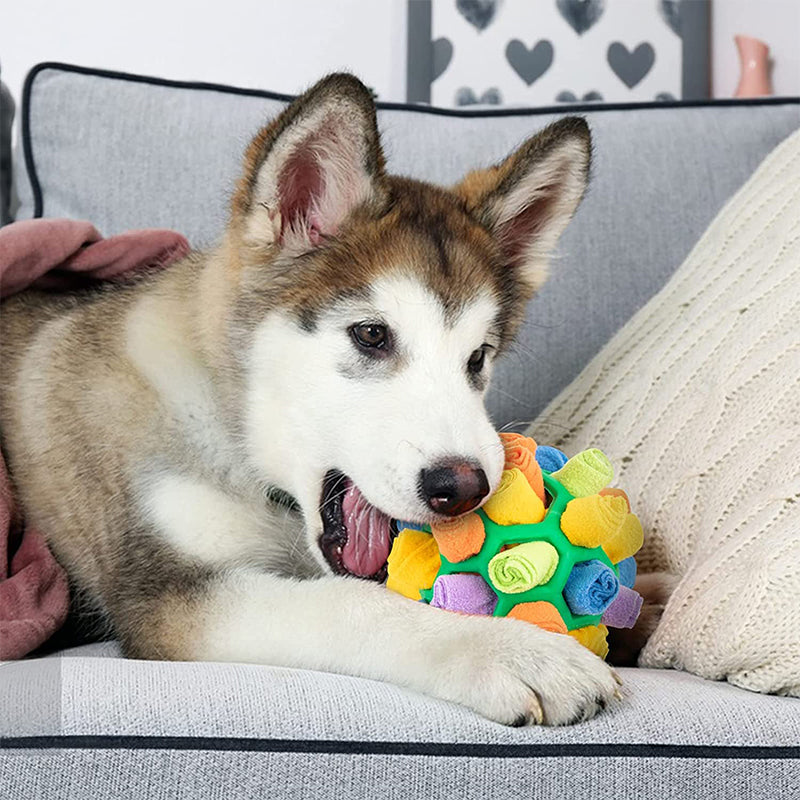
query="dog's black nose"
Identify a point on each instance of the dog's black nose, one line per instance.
(453, 487)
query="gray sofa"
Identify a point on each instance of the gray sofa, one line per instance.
(126, 151)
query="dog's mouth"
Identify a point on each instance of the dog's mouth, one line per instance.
(356, 536)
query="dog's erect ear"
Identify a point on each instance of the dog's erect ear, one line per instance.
(311, 167)
(528, 199)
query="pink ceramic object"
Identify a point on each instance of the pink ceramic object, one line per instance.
(754, 58)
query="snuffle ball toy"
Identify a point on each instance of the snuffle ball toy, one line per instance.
(553, 546)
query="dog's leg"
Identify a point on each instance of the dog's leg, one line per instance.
(507, 670)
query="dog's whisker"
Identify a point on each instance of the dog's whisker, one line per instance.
(515, 423)
(333, 497)
(510, 396)
(518, 350)
(411, 445)
(548, 422)
(295, 544)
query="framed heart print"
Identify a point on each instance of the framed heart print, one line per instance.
(551, 52)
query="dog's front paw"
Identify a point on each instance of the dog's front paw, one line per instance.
(518, 674)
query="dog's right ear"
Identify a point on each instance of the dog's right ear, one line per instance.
(308, 170)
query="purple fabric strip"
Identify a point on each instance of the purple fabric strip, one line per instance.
(467, 593)
(624, 611)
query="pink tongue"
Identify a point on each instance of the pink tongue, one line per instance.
(369, 536)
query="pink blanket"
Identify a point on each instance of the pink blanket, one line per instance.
(54, 254)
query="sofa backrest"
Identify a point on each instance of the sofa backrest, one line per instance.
(127, 151)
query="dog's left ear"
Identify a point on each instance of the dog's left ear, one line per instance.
(307, 171)
(528, 199)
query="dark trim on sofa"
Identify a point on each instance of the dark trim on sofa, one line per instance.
(439, 749)
(27, 91)
(27, 147)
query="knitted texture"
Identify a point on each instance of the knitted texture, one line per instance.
(697, 402)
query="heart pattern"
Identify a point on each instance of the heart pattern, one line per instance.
(442, 53)
(478, 13)
(530, 63)
(569, 97)
(670, 11)
(631, 66)
(581, 14)
(467, 97)
(622, 65)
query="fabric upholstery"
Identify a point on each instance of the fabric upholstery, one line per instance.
(127, 153)
(695, 400)
(233, 730)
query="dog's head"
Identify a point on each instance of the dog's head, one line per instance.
(371, 308)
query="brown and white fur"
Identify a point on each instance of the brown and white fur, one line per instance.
(148, 426)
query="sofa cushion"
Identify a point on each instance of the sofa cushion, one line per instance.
(84, 726)
(127, 151)
(696, 400)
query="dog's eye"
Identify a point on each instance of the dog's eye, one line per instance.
(475, 363)
(370, 335)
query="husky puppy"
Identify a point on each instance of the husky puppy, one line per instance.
(335, 348)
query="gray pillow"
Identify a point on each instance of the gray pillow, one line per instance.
(128, 151)
(6, 118)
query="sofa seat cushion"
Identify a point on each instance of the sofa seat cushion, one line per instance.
(72, 725)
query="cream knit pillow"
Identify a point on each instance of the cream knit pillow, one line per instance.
(697, 403)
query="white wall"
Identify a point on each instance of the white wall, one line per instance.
(287, 44)
(283, 45)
